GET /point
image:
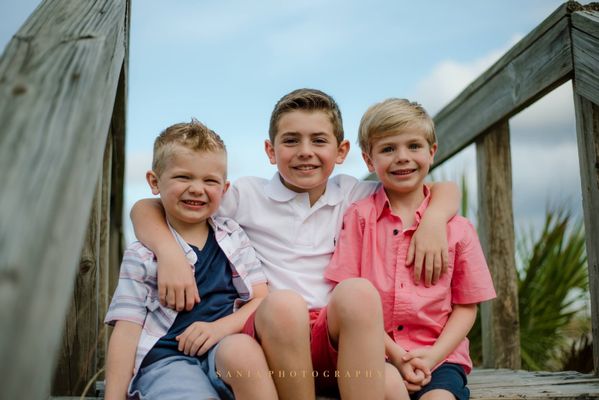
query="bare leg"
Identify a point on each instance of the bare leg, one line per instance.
(241, 363)
(355, 321)
(438, 394)
(395, 389)
(283, 329)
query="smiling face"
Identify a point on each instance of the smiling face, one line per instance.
(191, 185)
(305, 151)
(401, 161)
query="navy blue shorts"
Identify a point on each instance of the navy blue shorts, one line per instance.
(450, 377)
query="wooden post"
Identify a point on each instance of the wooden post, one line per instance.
(77, 360)
(585, 43)
(499, 317)
(58, 82)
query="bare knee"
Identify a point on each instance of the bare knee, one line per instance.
(239, 353)
(355, 301)
(281, 314)
(438, 394)
(395, 389)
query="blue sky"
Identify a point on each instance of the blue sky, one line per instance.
(227, 63)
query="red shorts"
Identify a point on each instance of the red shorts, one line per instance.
(324, 353)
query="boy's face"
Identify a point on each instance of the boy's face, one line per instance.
(306, 151)
(401, 161)
(191, 185)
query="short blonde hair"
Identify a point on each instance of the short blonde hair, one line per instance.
(193, 135)
(308, 100)
(391, 117)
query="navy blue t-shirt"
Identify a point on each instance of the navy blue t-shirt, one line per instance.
(217, 294)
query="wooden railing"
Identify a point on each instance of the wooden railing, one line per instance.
(563, 47)
(63, 80)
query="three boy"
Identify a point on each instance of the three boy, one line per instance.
(293, 221)
(157, 352)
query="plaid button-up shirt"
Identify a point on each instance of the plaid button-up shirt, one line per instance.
(136, 296)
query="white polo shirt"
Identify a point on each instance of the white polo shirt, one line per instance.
(294, 241)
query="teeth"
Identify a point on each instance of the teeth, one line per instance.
(305, 167)
(194, 203)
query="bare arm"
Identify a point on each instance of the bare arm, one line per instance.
(428, 248)
(120, 359)
(176, 283)
(201, 336)
(457, 327)
(415, 374)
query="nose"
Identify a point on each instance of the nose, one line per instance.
(196, 188)
(401, 155)
(305, 149)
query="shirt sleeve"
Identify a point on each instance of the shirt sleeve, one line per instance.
(230, 202)
(129, 299)
(346, 260)
(471, 281)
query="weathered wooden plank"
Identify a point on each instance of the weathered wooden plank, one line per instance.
(538, 64)
(587, 132)
(104, 255)
(58, 79)
(77, 358)
(586, 55)
(587, 20)
(499, 317)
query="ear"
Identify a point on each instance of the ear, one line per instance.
(342, 151)
(152, 179)
(269, 148)
(368, 162)
(227, 184)
(433, 151)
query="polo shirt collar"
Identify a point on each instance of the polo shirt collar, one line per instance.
(381, 203)
(279, 192)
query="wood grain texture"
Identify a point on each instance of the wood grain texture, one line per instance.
(58, 80)
(499, 317)
(587, 132)
(585, 42)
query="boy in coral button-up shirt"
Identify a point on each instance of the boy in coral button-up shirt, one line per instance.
(426, 327)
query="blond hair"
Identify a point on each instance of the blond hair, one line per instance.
(391, 117)
(307, 100)
(192, 135)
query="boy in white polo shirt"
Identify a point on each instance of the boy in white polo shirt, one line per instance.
(293, 221)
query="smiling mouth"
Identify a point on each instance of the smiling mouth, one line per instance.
(402, 172)
(305, 167)
(194, 203)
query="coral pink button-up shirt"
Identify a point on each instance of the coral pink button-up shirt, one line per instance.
(373, 244)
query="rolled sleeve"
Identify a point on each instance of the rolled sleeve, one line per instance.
(130, 296)
(346, 260)
(472, 281)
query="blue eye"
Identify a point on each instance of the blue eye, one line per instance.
(415, 146)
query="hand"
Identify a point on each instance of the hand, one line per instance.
(428, 249)
(415, 373)
(198, 338)
(177, 287)
(422, 358)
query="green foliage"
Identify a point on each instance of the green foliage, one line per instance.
(552, 285)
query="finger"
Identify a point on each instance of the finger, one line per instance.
(445, 257)
(436, 268)
(190, 297)
(428, 269)
(182, 338)
(205, 346)
(196, 344)
(162, 293)
(412, 387)
(196, 293)
(411, 251)
(418, 266)
(426, 381)
(179, 299)
(170, 298)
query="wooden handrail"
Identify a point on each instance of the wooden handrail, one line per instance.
(59, 77)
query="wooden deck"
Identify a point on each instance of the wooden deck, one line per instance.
(506, 384)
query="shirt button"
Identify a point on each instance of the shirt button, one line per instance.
(395, 232)
(400, 328)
